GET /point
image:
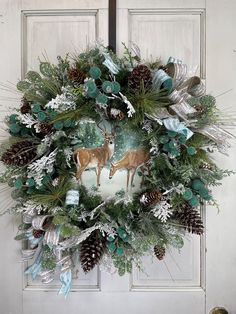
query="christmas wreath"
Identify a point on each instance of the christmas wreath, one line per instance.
(96, 111)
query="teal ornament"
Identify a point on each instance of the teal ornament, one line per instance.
(13, 118)
(166, 147)
(93, 93)
(95, 72)
(58, 125)
(193, 201)
(36, 108)
(18, 184)
(67, 123)
(107, 87)
(203, 192)
(191, 150)
(111, 247)
(30, 182)
(30, 191)
(172, 133)
(164, 139)
(14, 128)
(172, 144)
(119, 251)
(72, 198)
(102, 99)
(90, 86)
(110, 238)
(115, 87)
(197, 184)
(187, 195)
(46, 180)
(123, 234)
(52, 114)
(24, 131)
(174, 152)
(182, 139)
(41, 116)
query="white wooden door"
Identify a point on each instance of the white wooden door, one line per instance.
(200, 32)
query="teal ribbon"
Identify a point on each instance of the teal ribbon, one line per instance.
(173, 124)
(34, 269)
(174, 60)
(110, 64)
(66, 279)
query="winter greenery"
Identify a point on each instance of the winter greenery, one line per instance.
(62, 109)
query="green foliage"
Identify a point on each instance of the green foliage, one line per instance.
(146, 101)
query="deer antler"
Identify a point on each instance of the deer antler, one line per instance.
(114, 129)
(100, 128)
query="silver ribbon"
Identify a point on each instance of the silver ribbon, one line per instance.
(41, 222)
(183, 110)
(218, 135)
(47, 276)
(28, 254)
(52, 235)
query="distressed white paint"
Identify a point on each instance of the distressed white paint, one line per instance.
(176, 287)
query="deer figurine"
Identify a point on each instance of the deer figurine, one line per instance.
(86, 158)
(131, 161)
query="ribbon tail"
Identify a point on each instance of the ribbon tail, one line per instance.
(65, 278)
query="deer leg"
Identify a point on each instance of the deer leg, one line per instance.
(79, 173)
(127, 184)
(99, 169)
(142, 169)
(132, 178)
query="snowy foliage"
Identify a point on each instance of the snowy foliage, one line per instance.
(41, 166)
(63, 102)
(162, 210)
(30, 208)
(130, 108)
(29, 121)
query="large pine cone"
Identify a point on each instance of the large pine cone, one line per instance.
(91, 251)
(20, 154)
(76, 76)
(159, 251)
(140, 75)
(190, 219)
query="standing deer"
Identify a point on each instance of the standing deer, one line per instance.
(132, 160)
(86, 158)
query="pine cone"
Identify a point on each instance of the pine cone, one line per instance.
(76, 76)
(140, 73)
(19, 154)
(159, 251)
(45, 128)
(151, 198)
(199, 108)
(190, 219)
(115, 113)
(38, 233)
(91, 251)
(25, 106)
